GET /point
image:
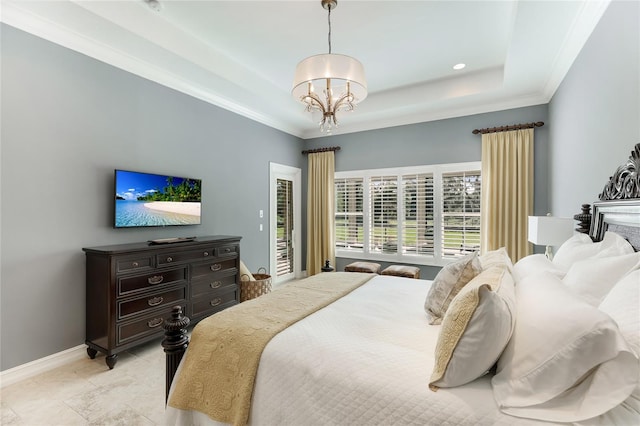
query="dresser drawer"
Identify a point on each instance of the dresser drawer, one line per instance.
(153, 301)
(131, 284)
(207, 305)
(220, 265)
(133, 264)
(230, 250)
(143, 327)
(213, 283)
(177, 257)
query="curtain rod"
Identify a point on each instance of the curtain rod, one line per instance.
(505, 128)
(313, 151)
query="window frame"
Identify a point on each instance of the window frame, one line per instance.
(438, 170)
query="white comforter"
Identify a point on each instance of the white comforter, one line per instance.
(366, 359)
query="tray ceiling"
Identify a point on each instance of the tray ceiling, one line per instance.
(241, 55)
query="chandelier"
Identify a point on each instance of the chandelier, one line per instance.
(329, 83)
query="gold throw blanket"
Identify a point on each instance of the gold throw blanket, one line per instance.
(219, 369)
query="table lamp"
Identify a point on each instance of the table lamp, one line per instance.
(549, 231)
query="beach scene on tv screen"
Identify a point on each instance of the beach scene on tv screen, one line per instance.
(156, 200)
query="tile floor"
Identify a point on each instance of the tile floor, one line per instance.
(86, 392)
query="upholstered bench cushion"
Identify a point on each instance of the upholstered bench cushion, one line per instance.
(402, 271)
(363, 267)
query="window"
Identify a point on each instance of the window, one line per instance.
(460, 213)
(383, 217)
(420, 215)
(349, 214)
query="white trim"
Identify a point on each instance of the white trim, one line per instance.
(42, 365)
(583, 25)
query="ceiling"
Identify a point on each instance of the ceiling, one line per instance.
(241, 55)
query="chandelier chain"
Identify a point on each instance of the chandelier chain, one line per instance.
(329, 20)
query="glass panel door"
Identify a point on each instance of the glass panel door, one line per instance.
(284, 227)
(285, 249)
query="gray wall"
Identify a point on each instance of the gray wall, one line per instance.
(595, 114)
(67, 122)
(438, 142)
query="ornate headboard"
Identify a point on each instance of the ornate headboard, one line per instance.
(619, 207)
(621, 217)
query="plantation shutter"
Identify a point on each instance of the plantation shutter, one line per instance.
(460, 213)
(418, 216)
(284, 227)
(349, 214)
(383, 192)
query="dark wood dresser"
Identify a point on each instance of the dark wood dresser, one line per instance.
(131, 288)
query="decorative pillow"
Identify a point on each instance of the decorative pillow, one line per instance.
(447, 284)
(498, 257)
(536, 264)
(580, 247)
(566, 361)
(592, 279)
(475, 329)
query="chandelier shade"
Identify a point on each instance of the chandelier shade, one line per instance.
(340, 69)
(329, 83)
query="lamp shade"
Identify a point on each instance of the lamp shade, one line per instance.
(549, 230)
(340, 69)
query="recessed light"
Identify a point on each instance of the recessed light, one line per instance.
(459, 66)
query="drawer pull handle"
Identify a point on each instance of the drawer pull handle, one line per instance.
(155, 301)
(216, 284)
(216, 267)
(205, 254)
(135, 264)
(155, 322)
(215, 302)
(156, 279)
(169, 259)
(227, 250)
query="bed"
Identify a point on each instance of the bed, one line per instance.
(487, 342)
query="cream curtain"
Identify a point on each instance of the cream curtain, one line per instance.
(320, 211)
(507, 191)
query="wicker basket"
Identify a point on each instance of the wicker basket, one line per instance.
(252, 289)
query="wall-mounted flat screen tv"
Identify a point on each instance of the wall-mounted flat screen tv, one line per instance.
(146, 199)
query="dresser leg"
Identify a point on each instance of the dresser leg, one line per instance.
(111, 361)
(91, 352)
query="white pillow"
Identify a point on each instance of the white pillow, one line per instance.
(566, 360)
(578, 243)
(580, 247)
(536, 264)
(498, 257)
(475, 329)
(623, 305)
(592, 279)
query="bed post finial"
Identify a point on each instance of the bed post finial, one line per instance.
(175, 343)
(584, 219)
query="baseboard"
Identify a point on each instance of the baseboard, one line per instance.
(33, 368)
